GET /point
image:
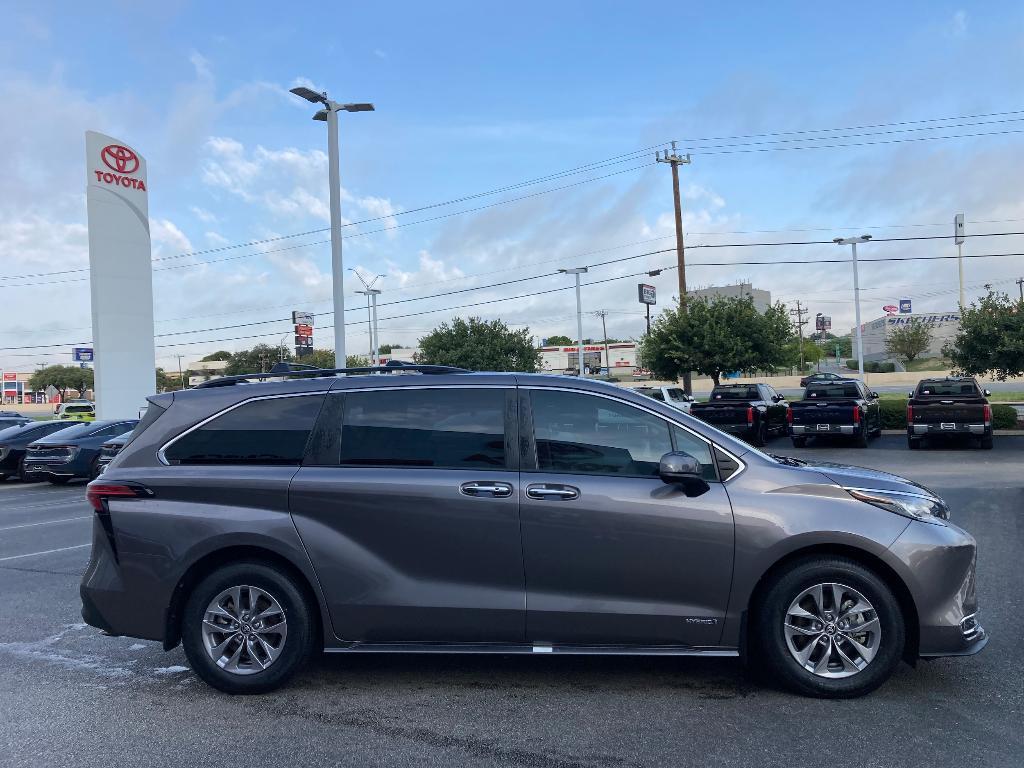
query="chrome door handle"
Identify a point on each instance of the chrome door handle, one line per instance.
(486, 489)
(565, 492)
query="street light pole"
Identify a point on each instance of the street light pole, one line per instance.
(852, 241)
(579, 316)
(330, 115)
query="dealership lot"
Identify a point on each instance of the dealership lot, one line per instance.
(67, 693)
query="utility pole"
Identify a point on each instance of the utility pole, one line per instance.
(800, 311)
(675, 160)
(577, 271)
(603, 313)
(181, 374)
(1020, 285)
(958, 238)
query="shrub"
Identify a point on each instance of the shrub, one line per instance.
(1004, 416)
(888, 367)
(851, 364)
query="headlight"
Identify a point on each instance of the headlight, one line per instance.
(927, 509)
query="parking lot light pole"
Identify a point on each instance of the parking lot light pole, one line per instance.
(852, 241)
(330, 115)
(579, 316)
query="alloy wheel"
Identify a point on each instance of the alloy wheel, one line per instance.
(832, 630)
(244, 630)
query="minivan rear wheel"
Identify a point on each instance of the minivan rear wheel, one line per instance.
(247, 628)
(828, 627)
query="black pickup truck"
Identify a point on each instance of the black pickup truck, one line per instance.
(948, 407)
(833, 409)
(753, 412)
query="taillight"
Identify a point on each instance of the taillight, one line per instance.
(789, 415)
(987, 413)
(97, 493)
(750, 417)
(910, 414)
(856, 414)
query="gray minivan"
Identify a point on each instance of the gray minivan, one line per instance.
(437, 510)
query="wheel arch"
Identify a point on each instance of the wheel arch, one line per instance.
(223, 556)
(870, 561)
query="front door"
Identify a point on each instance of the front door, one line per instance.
(613, 555)
(411, 515)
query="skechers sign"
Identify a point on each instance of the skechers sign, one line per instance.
(936, 319)
(122, 162)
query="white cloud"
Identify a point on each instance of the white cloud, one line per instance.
(958, 26)
(203, 215)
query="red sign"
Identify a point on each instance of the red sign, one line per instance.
(303, 330)
(10, 377)
(120, 159)
(890, 308)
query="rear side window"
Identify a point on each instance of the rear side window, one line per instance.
(271, 431)
(439, 428)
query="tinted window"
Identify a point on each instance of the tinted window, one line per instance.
(585, 434)
(113, 429)
(735, 393)
(677, 394)
(272, 431)
(440, 428)
(938, 388)
(826, 391)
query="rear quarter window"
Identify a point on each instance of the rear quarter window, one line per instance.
(270, 431)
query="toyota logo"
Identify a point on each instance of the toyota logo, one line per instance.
(120, 159)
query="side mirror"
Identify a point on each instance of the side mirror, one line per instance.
(678, 468)
(986, 392)
(874, 395)
(910, 394)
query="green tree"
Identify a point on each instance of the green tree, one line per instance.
(167, 382)
(479, 345)
(558, 341)
(991, 338)
(62, 378)
(714, 336)
(812, 352)
(216, 356)
(908, 341)
(387, 349)
(357, 361)
(259, 359)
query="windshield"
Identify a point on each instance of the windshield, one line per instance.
(735, 393)
(832, 391)
(940, 388)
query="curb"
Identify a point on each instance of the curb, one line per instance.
(996, 433)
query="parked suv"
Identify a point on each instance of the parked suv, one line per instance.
(508, 513)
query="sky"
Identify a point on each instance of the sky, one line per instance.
(560, 105)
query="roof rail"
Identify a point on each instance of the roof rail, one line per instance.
(298, 370)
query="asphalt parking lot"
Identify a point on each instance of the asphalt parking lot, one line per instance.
(69, 696)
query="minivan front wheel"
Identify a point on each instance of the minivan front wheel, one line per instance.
(829, 627)
(247, 628)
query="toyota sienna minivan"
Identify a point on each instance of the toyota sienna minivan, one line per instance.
(429, 509)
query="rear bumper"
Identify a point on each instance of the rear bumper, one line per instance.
(948, 428)
(808, 430)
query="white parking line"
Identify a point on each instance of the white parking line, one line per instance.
(44, 552)
(46, 522)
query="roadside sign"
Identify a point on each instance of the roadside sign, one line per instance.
(904, 306)
(303, 330)
(302, 318)
(890, 308)
(81, 354)
(647, 294)
(304, 341)
(958, 229)
(822, 322)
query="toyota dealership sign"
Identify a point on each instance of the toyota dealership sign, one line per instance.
(122, 168)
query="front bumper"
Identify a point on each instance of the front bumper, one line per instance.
(78, 466)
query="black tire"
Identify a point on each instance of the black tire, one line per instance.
(298, 644)
(768, 641)
(799, 442)
(23, 476)
(94, 469)
(986, 442)
(862, 438)
(913, 443)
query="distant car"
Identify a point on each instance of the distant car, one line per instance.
(947, 407)
(72, 401)
(13, 421)
(753, 412)
(108, 451)
(674, 396)
(14, 441)
(73, 452)
(823, 378)
(79, 411)
(11, 415)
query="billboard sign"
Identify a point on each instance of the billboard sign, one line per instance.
(302, 318)
(304, 341)
(890, 308)
(958, 229)
(647, 294)
(303, 330)
(905, 306)
(81, 354)
(120, 276)
(822, 322)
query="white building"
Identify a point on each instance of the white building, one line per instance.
(944, 326)
(204, 370)
(621, 357)
(762, 299)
